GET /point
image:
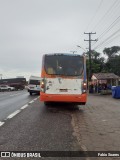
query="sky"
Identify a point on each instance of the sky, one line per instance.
(31, 28)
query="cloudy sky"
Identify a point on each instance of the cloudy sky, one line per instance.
(31, 28)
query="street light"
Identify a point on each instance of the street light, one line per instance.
(81, 47)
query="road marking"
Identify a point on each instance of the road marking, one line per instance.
(1, 123)
(35, 99)
(13, 114)
(31, 101)
(18, 111)
(23, 107)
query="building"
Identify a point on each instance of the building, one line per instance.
(106, 78)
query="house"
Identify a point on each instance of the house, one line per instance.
(107, 78)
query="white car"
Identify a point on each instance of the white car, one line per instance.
(34, 85)
(6, 88)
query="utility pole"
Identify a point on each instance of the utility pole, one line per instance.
(90, 66)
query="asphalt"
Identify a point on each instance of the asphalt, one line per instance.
(41, 128)
(12, 101)
(61, 127)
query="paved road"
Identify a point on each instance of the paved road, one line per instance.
(94, 127)
(12, 101)
(40, 128)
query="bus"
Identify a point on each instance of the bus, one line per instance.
(63, 78)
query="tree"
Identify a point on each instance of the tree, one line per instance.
(111, 52)
(113, 65)
(113, 61)
(97, 62)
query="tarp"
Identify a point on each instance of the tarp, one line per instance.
(116, 92)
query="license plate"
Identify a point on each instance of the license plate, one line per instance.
(63, 90)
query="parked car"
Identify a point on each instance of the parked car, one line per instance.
(6, 88)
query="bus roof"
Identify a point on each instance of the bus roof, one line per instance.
(12, 80)
(65, 54)
(34, 78)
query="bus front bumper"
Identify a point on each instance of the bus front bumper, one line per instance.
(63, 98)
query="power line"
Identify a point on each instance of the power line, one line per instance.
(109, 28)
(107, 39)
(115, 22)
(93, 17)
(106, 14)
(112, 15)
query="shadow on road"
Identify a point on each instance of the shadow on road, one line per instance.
(64, 107)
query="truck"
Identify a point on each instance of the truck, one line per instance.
(17, 83)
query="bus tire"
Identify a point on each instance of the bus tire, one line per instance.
(30, 93)
(46, 103)
(83, 103)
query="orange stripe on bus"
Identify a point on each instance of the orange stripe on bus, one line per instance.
(63, 98)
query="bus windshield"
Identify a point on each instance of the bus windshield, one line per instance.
(35, 82)
(67, 65)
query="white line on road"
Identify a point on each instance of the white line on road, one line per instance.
(16, 112)
(1, 123)
(23, 107)
(13, 114)
(35, 99)
(31, 101)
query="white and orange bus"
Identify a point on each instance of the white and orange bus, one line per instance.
(63, 78)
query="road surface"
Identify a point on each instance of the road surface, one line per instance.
(59, 127)
(12, 101)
